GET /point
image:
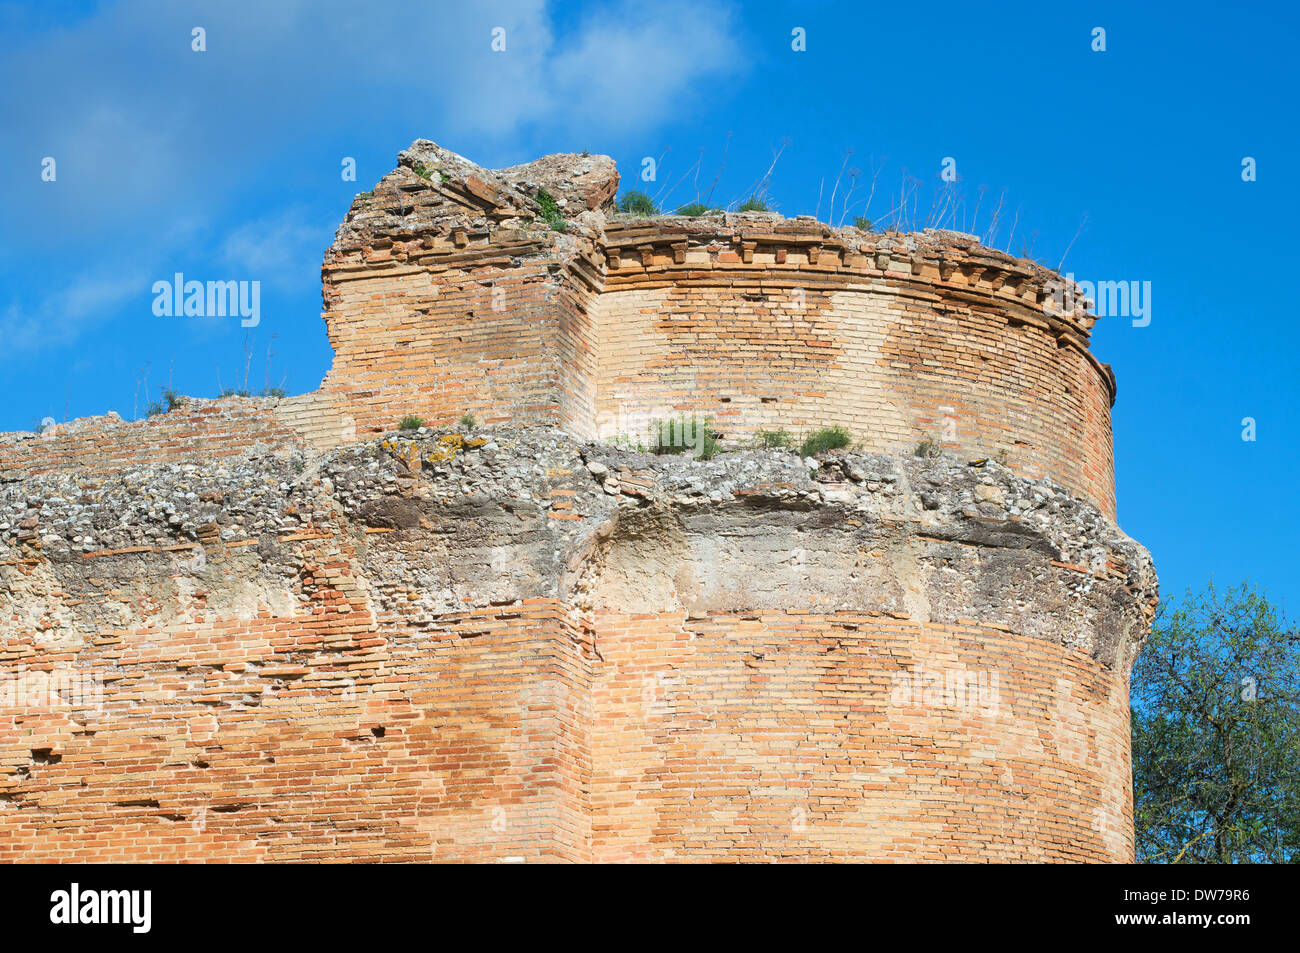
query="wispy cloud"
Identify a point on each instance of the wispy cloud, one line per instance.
(139, 122)
(59, 317)
(278, 248)
(623, 72)
(145, 131)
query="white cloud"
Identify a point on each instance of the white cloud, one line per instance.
(277, 249)
(67, 312)
(138, 121)
(149, 135)
(626, 73)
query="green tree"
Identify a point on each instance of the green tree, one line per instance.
(1216, 733)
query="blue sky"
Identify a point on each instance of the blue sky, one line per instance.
(226, 164)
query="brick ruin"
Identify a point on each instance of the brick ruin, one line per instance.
(282, 629)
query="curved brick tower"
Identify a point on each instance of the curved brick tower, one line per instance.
(315, 637)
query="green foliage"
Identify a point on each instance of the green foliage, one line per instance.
(928, 448)
(468, 422)
(828, 438)
(771, 439)
(865, 224)
(1216, 733)
(411, 423)
(627, 443)
(551, 211)
(428, 174)
(696, 209)
(245, 392)
(637, 203)
(682, 435)
(754, 204)
(170, 401)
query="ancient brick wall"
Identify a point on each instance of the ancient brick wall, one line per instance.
(447, 296)
(447, 292)
(774, 325)
(257, 629)
(754, 738)
(302, 737)
(197, 430)
(843, 736)
(515, 647)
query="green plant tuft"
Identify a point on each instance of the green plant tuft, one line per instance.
(468, 422)
(551, 211)
(772, 439)
(170, 401)
(828, 438)
(637, 203)
(411, 423)
(696, 209)
(928, 448)
(693, 436)
(754, 204)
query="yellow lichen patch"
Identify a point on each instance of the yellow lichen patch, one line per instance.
(410, 455)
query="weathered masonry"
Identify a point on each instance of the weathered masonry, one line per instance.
(256, 629)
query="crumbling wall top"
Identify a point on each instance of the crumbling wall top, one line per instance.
(432, 188)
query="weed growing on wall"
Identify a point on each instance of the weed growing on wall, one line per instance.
(928, 448)
(828, 438)
(637, 203)
(773, 439)
(551, 211)
(684, 435)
